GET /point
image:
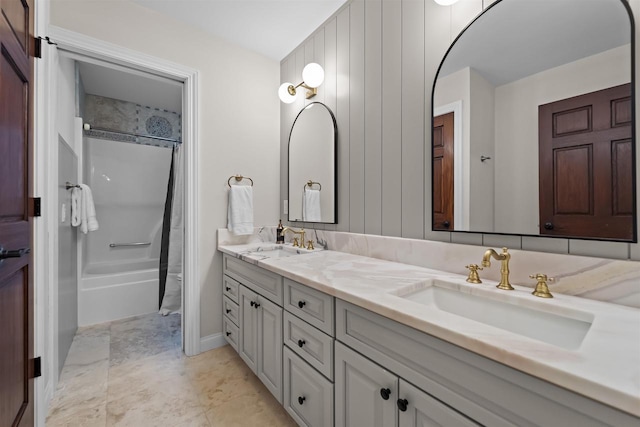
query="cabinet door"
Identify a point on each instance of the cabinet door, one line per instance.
(365, 393)
(248, 340)
(270, 346)
(422, 410)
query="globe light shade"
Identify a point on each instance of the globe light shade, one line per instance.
(445, 2)
(283, 93)
(313, 75)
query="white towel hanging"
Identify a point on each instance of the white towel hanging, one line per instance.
(240, 211)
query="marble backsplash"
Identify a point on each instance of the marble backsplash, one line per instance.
(594, 278)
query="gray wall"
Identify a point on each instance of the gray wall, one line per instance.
(380, 58)
(67, 254)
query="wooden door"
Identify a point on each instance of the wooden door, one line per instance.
(443, 172)
(270, 346)
(419, 409)
(248, 339)
(365, 393)
(586, 166)
(16, 278)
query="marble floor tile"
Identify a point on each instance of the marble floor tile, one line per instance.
(133, 373)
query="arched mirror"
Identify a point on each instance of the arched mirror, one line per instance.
(312, 165)
(534, 125)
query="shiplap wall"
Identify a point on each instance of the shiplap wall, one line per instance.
(380, 58)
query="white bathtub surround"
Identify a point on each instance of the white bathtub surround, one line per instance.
(605, 366)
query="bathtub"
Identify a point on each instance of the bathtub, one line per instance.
(116, 290)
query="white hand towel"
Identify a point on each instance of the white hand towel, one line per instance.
(240, 211)
(76, 207)
(89, 221)
(311, 206)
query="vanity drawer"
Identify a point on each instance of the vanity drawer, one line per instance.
(313, 345)
(230, 288)
(230, 310)
(264, 282)
(231, 332)
(308, 396)
(310, 305)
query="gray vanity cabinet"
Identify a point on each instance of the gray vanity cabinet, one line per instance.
(369, 395)
(260, 341)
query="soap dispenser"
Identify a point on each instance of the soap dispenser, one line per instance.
(279, 235)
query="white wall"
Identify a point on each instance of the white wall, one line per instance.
(516, 128)
(239, 116)
(481, 143)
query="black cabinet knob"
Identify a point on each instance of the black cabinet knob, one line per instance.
(446, 224)
(256, 304)
(228, 310)
(402, 404)
(301, 304)
(252, 303)
(301, 399)
(548, 226)
(228, 333)
(301, 343)
(228, 288)
(385, 393)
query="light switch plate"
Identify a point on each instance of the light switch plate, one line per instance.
(285, 206)
(63, 213)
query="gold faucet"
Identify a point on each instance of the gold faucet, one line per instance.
(504, 258)
(295, 240)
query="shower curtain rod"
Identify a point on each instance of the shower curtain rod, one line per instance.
(175, 141)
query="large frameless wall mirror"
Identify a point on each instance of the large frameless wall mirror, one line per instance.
(533, 122)
(312, 165)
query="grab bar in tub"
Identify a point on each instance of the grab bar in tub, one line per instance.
(115, 245)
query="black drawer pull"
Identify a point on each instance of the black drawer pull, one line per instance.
(228, 333)
(402, 404)
(228, 288)
(385, 393)
(256, 304)
(228, 310)
(301, 399)
(301, 304)
(301, 343)
(252, 303)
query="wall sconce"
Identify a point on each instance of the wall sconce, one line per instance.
(445, 2)
(312, 77)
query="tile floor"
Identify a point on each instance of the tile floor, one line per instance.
(132, 372)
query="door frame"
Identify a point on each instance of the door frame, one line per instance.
(459, 202)
(45, 233)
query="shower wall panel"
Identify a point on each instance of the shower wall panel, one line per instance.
(129, 184)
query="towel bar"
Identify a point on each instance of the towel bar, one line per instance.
(310, 184)
(115, 245)
(69, 185)
(238, 178)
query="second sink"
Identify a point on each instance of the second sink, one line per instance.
(507, 312)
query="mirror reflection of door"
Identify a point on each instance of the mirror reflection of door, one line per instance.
(443, 172)
(586, 167)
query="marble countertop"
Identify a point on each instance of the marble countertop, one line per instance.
(605, 366)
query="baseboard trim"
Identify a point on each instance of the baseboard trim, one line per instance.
(212, 341)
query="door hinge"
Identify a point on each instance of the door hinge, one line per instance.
(36, 206)
(37, 45)
(36, 367)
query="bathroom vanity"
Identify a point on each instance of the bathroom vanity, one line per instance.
(348, 340)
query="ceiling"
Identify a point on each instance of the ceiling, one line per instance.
(272, 28)
(519, 38)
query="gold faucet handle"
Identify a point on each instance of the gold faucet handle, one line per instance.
(310, 245)
(473, 273)
(295, 242)
(542, 290)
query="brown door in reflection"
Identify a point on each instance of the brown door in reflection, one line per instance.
(16, 279)
(443, 172)
(586, 165)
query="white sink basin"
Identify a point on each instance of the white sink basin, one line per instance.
(522, 316)
(276, 251)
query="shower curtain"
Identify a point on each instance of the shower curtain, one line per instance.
(171, 301)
